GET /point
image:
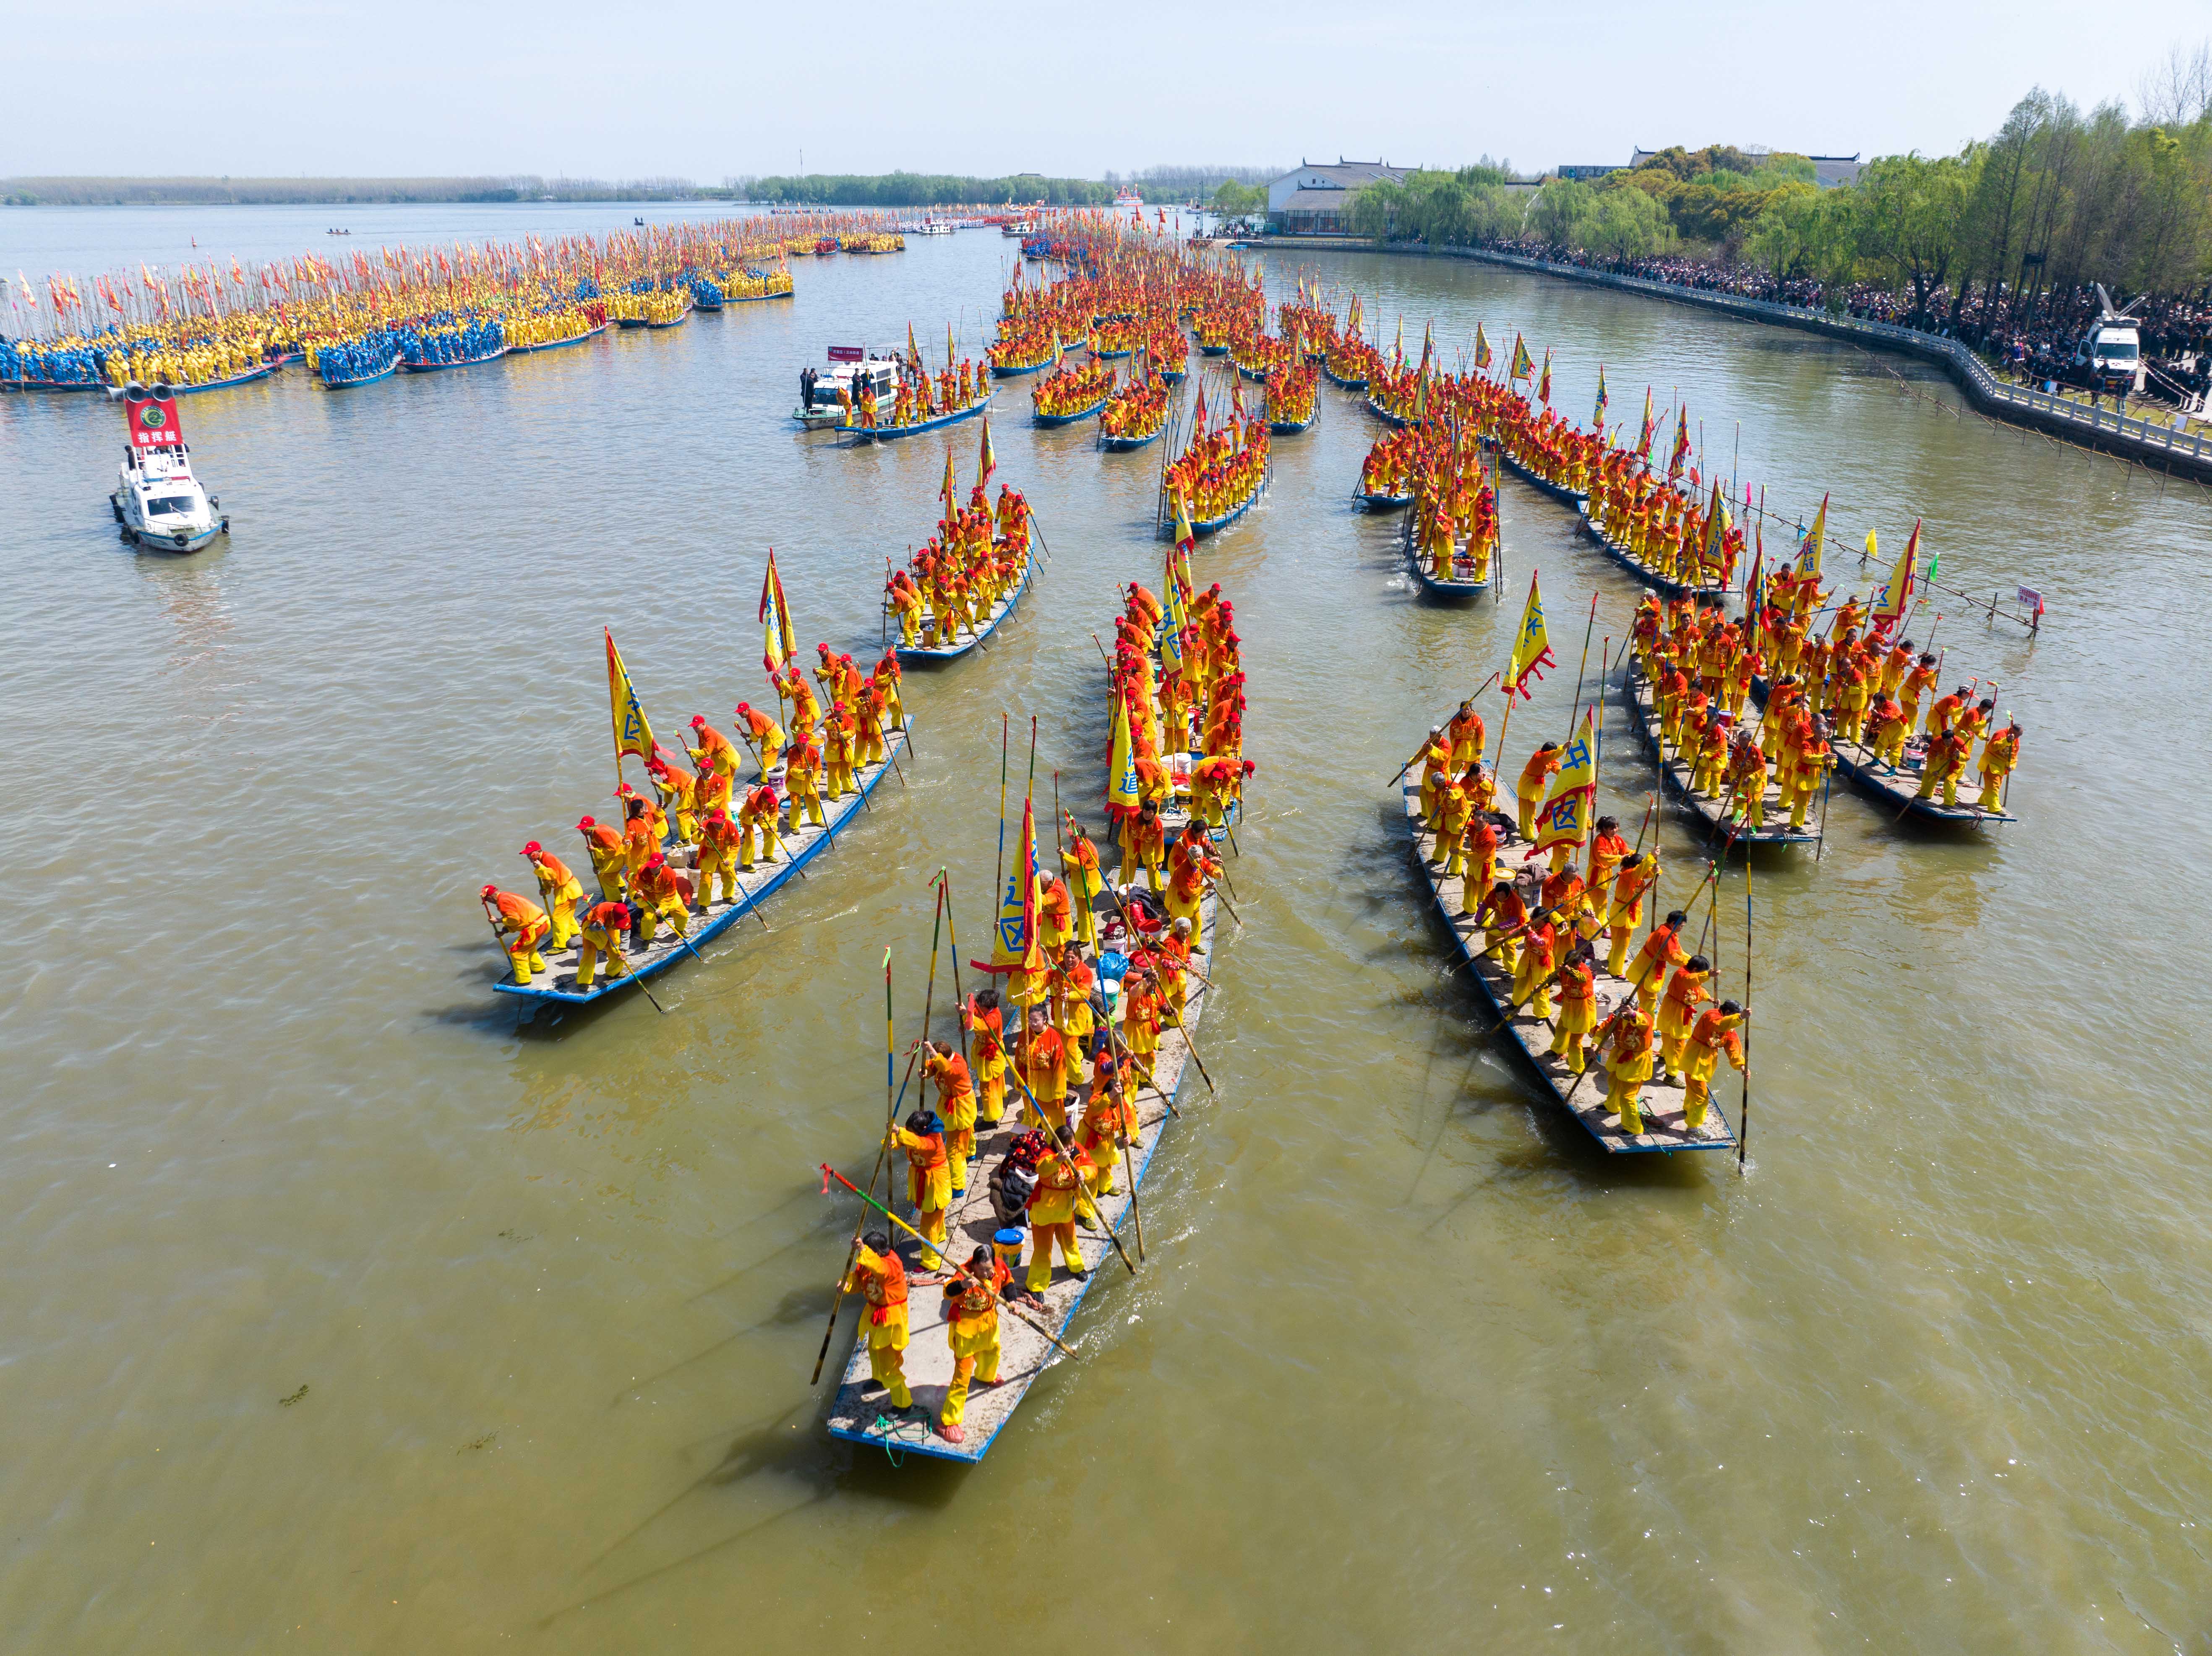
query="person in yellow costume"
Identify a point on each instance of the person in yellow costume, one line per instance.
(1061, 1180)
(605, 926)
(1714, 1034)
(971, 1329)
(955, 1103)
(1628, 1066)
(878, 1277)
(523, 918)
(928, 1177)
(2000, 754)
(558, 889)
(720, 840)
(1678, 1010)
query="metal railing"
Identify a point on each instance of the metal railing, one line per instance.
(2069, 418)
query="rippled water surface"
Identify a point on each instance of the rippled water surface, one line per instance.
(344, 1310)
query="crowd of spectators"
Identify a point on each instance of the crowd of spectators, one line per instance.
(2032, 338)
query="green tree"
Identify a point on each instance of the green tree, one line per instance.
(1910, 231)
(1560, 206)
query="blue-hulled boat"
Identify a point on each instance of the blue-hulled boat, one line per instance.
(1445, 592)
(887, 433)
(584, 337)
(558, 984)
(491, 355)
(1291, 427)
(961, 646)
(1016, 370)
(1384, 502)
(1070, 419)
(1559, 492)
(347, 383)
(1214, 526)
(1643, 570)
(1336, 379)
(244, 377)
(1123, 444)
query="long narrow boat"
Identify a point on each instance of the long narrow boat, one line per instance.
(1070, 419)
(1205, 350)
(1384, 415)
(1447, 591)
(1015, 370)
(675, 321)
(860, 1412)
(584, 337)
(383, 372)
(888, 434)
(1122, 445)
(243, 376)
(1291, 427)
(1643, 570)
(1707, 810)
(1336, 379)
(754, 885)
(491, 355)
(1559, 492)
(1899, 787)
(1210, 525)
(758, 298)
(1660, 1102)
(1383, 502)
(960, 646)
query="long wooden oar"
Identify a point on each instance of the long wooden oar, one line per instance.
(829, 1173)
(852, 1253)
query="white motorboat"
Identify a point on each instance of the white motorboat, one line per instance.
(850, 367)
(160, 504)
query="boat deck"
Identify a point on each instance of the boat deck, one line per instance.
(754, 885)
(1900, 786)
(961, 646)
(1559, 492)
(1660, 1102)
(1707, 810)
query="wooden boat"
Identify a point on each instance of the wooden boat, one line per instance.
(1336, 379)
(1173, 376)
(1678, 771)
(383, 372)
(1123, 444)
(1559, 492)
(754, 885)
(1643, 570)
(1015, 370)
(1899, 788)
(1108, 355)
(1529, 1037)
(860, 1413)
(758, 298)
(1379, 502)
(492, 355)
(243, 376)
(887, 433)
(675, 321)
(584, 337)
(960, 646)
(1212, 350)
(1385, 416)
(1447, 591)
(1211, 526)
(1291, 427)
(1070, 419)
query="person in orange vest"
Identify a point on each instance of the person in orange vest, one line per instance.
(2000, 754)
(1502, 915)
(837, 742)
(678, 790)
(971, 1329)
(1062, 1178)
(558, 889)
(761, 812)
(1436, 764)
(1628, 1066)
(878, 1277)
(1660, 950)
(1918, 683)
(1072, 985)
(1714, 1034)
(805, 709)
(889, 679)
(765, 735)
(928, 1177)
(1542, 764)
(641, 845)
(718, 857)
(1142, 1011)
(1055, 917)
(1080, 860)
(604, 845)
(980, 1016)
(1464, 732)
(526, 921)
(605, 927)
(1191, 863)
(1942, 765)
(1044, 1064)
(663, 895)
(802, 779)
(1607, 852)
(1886, 730)
(715, 751)
(1108, 1122)
(1577, 981)
(1144, 842)
(1814, 760)
(941, 1063)
(1532, 976)
(1678, 1010)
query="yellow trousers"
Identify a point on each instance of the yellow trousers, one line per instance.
(1193, 911)
(713, 866)
(561, 909)
(809, 801)
(887, 1357)
(1041, 1240)
(770, 846)
(1529, 802)
(593, 943)
(974, 1356)
(671, 909)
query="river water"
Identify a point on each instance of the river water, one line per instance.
(344, 1309)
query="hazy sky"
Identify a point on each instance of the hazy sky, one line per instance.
(326, 87)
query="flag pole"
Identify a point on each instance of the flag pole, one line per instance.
(852, 1253)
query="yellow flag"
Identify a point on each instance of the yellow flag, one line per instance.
(1896, 591)
(1566, 817)
(1185, 536)
(986, 461)
(950, 487)
(1481, 347)
(1173, 621)
(632, 733)
(1872, 551)
(1532, 645)
(1015, 949)
(1808, 553)
(1121, 767)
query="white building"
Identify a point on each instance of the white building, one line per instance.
(1314, 201)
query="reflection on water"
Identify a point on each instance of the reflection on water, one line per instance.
(271, 1127)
